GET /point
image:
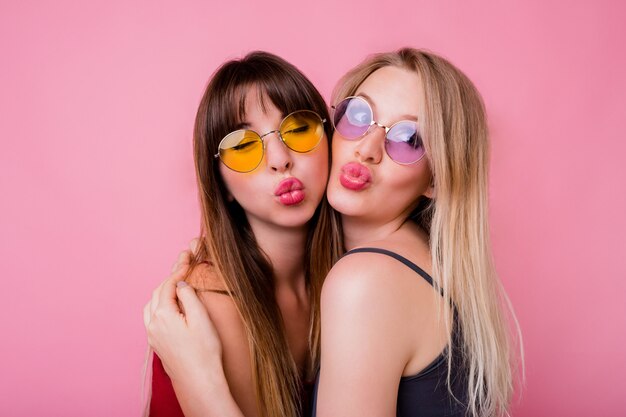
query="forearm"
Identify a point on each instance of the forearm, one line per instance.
(206, 396)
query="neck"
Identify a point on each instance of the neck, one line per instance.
(285, 247)
(358, 231)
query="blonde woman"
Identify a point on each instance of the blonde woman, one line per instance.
(411, 317)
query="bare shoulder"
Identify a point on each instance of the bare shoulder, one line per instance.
(213, 293)
(367, 271)
(204, 278)
(360, 279)
(364, 281)
(220, 305)
(361, 312)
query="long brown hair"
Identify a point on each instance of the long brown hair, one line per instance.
(453, 124)
(227, 240)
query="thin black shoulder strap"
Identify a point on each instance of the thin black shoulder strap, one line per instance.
(400, 258)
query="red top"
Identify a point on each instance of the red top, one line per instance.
(163, 402)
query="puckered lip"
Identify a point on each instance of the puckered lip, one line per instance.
(355, 176)
(288, 185)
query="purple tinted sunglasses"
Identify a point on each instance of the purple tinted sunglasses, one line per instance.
(353, 118)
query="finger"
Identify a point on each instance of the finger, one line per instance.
(146, 315)
(175, 267)
(167, 292)
(181, 307)
(154, 300)
(193, 245)
(184, 258)
(195, 311)
(179, 273)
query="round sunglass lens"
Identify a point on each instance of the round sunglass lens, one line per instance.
(241, 150)
(302, 130)
(352, 117)
(404, 143)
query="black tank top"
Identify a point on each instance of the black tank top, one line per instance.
(426, 393)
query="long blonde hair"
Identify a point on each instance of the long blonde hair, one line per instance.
(454, 127)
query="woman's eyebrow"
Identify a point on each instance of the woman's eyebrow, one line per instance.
(409, 117)
(368, 98)
(371, 101)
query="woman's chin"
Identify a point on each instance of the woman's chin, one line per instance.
(347, 205)
(293, 216)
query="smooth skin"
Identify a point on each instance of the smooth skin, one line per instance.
(380, 320)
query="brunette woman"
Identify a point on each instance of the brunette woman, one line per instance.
(261, 156)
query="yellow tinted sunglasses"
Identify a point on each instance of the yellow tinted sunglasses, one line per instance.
(243, 150)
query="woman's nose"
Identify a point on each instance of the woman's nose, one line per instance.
(278, 156)
(370, 147)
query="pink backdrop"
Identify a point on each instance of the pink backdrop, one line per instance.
(98, 195)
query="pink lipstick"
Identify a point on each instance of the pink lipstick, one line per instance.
(355, 176)
(290, 191)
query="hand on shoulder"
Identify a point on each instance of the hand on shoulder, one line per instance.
(230, 330)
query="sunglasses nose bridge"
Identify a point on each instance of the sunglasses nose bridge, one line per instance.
(385, 128)
(278, 134)
(270, 132)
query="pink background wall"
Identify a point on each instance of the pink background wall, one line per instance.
(97, 191)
